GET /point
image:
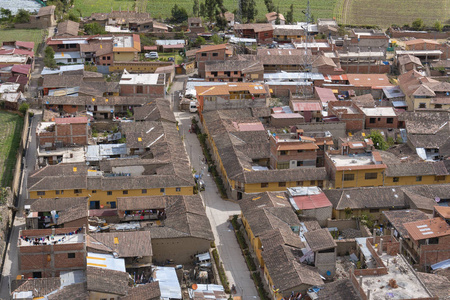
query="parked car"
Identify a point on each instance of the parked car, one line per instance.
(152, 55)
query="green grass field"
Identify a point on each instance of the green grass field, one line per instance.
(10, 133)
(161, 9)
(388, 12)
(25, 35)
(355, 12)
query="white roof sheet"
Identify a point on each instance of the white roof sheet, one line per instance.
(62, 69)
(293, 76)
(105, 261)
(168, 282)
(169, 42)
(132, 79)
(379, 111)
(63, 55)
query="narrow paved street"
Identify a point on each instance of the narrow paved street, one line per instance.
(217, 210)
(11, 265)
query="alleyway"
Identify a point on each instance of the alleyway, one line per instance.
(218, 212)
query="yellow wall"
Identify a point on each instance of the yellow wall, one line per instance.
(359, 180)
(103, 197)
(411, 180)
(124, 56)
(274, 186)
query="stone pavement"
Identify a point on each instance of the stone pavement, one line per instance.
(217, 209)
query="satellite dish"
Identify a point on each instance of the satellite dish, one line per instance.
(194, 286)
(437, 199)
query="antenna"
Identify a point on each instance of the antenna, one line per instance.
(307, 65)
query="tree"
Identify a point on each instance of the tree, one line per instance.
(202, 11)
(277, 20)
(199, 41)
(94, 28)
(6, 13)
(418, 24)
(210, 9)
(49, 58)
(378, 140)
(22, 16)
(195, 8)
(251, 10)
(216, 39)
(72, 16)
(438, 26)
(221, 22)
(290, 15)
(24, 107)
(269, 5)
(179, 14)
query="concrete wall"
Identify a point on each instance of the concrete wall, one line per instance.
(337, 129)
(222, 103)
(181, 250)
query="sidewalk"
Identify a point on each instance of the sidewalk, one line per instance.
(218, 212)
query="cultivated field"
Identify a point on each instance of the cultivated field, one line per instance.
(25, 35)
(161, 9)
(387, 12)
(10, 133)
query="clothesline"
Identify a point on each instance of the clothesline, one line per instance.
(49, 239)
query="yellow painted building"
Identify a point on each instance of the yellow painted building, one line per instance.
(138, 66)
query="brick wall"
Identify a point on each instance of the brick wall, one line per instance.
(366, 69)
(178, 249)
(418, 34)
(381, 122)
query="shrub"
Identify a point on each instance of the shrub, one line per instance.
(220, 269)
(24, 107)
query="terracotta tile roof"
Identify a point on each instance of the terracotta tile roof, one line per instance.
(256, 27)
(307, 105)
(68, 27)
(212, 48)
(444, 211)
(75, 212)
(312, 201)
(280, 236)
(77, 291)
(426, 229)
(46, 10)
(421, 41)
(107, 281)
(320, 239)
(339, 290)
(439, 286)
(252, 88)
(73, 120)
(141, 203)
(272, 16)
(38, 286)
(399, 217)
(375, 81)
(125, 244)
(285, 270)
(149, 291)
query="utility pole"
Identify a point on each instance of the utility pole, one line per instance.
(307, 64)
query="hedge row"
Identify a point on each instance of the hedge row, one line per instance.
(221, 270)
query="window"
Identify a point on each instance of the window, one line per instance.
(57, 192)
(372, 120)
(112, 204)
(373, 210)
(299, 151)
(144, 191)
(109, 193)
(74, 106)
(69, 60)
(215, 54)
(77, 191)
(396, 179)
(139, 89)
(203, 54)
(264, 184)
(75, 60)
(299, 183)
(104, 58)
(94, 191)
(236, 72)
(349, 177)
(390, 120)
(108, 57)
(312, 182)
(281, 183)
(283, 152)
(162, 190)
(422, 105)
(40, 193)
(70, 255)
(438, 106)
(178, 189)
(418, 178)
(299, 163)
(369, 176)
(125, 192)
(440, 177)
(283, 165)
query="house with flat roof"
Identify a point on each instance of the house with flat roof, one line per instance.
(262, 32)
(348, 112)
(145, 85)
(126, 47)
(211, 53)
(380, 117)
(232, 95)
(234, 70)
(357, 170)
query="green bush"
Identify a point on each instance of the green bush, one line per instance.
(220, 269)
(24, 107)
(241, 240)
(235, 223)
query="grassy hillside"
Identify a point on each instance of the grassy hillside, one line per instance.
(387, 12)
